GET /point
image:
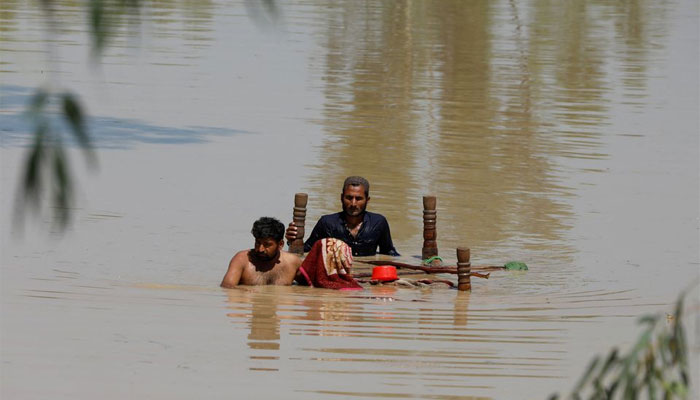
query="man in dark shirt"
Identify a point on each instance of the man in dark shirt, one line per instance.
(362, 230)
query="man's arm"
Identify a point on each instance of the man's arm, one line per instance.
(316, 234)
(235, 269)
(294, 263)
(386, 246)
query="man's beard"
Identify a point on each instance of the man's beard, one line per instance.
(353, 211)
(263, 256)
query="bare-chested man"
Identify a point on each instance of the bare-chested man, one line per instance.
(266, 263)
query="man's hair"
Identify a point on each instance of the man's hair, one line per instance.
(357, 181)
(268, 227)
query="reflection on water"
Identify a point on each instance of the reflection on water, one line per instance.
(397, 338)
(470, 101)
(106, 132)
(264, 324)
(544, 129)
(186, 21)
(460, 309)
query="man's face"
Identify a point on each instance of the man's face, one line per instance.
(354, 200)
(266, 249)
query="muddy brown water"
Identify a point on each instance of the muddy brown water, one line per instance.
(561, 135)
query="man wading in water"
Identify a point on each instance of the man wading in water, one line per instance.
(266, 263)
(362, 230)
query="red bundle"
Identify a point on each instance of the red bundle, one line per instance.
(328, 265)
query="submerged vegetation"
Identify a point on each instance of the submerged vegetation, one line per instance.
(656, 366)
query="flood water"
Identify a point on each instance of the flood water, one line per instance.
(561, 134)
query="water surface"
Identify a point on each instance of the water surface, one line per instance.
(562, 135)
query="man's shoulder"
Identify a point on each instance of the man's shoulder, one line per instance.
(239, 260)
(289, 258)
(375, 216)
(289, 262)
(331, 218)
(241, 256)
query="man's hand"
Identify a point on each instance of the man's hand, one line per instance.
(340, 254)
(291, 233)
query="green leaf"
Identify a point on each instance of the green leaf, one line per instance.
(678, 336)
(587, 375)
(611, 390)
(609, 362)
(32, 175)
(680, 389)
(648, 319)
(599, 389)
(98, 25)
(73, 113)
(649, 376)
(665, 354)
(642, 343)
(38, 100)
(62, 187)
(684, 377)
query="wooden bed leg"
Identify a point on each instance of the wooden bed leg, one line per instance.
(300, 200)
(430, 248)
(464, 269)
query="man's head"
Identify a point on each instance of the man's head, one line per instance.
(355, 195)
(268, 233)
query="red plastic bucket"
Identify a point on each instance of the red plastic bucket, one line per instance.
(384, 273)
